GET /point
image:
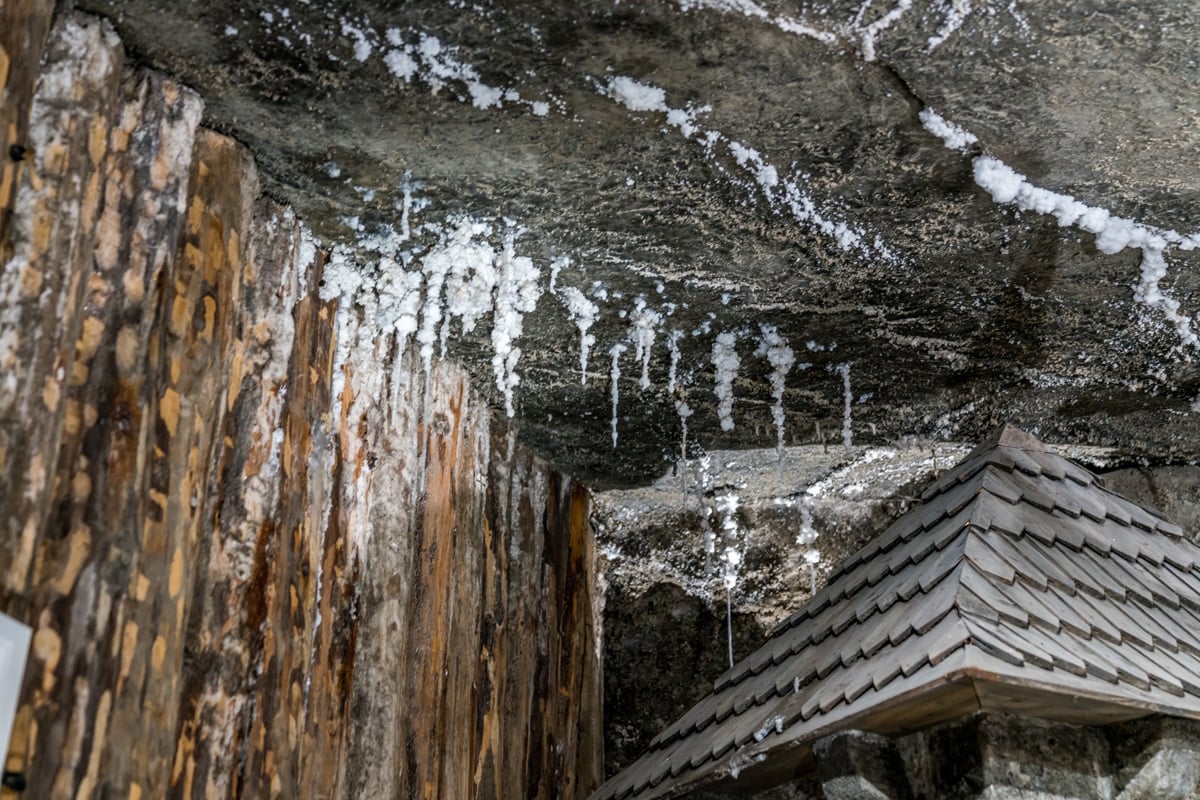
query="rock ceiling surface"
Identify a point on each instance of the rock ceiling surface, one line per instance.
(794, 183)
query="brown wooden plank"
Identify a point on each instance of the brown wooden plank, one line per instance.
(42, 296)
(1006, 698)
(24, 25)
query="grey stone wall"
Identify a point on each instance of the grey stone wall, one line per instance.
(1003, 757)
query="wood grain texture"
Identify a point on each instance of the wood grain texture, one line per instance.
(23, 28)
(265, 554)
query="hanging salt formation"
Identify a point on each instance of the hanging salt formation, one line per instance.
(703, 482)
(437, 265)
(399, 307)
(807, 538)
(781, 358)
(584, 313)
(643, 331)
(406, 204)
(725, 360)
(672, 370)
(471, 281)
(731, 557)
(517, 293)
(614, 377)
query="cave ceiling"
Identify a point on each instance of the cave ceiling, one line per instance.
(783, 176)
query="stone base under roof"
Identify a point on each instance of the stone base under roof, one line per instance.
(1002, 757)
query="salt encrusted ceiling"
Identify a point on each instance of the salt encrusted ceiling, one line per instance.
(783, 176)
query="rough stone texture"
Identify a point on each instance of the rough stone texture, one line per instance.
(262, 558)
(1156, 757)
(998, 756)
(662, 651)
(984, 315)
(803, 789)
(855, 765)
(655, 534)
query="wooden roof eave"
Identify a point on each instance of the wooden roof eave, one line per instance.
(932, 695)
(1060, 696)
(967, 682)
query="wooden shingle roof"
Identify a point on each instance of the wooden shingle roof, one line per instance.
(1019, 583)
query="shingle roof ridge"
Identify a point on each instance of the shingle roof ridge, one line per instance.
(1018, 611)
(973, 474)
(1011, 437)
(897, 534)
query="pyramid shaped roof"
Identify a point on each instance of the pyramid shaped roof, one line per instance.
(1018, 584)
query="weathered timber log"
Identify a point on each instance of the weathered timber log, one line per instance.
(265, 554)
(23, 28)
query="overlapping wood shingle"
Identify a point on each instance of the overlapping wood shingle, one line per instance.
(1019, 583)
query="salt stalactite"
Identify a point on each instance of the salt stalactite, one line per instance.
(731, 557)
(436, 265)
(807, 538)
(847, 436)
(407, 187)
(584, 313)
(614, 377)
(703, 484)
(472, 278)
(399, 300)
(725, 360)
(399, 310)
(673, 369)
(684, 411)
(517, 293)
(643, 332)
(781, 357)
(341, 280)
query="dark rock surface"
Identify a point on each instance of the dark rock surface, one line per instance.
(662, 651)
(1156, 757)
(1010, 757)
(957, 313)
(855, 765)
